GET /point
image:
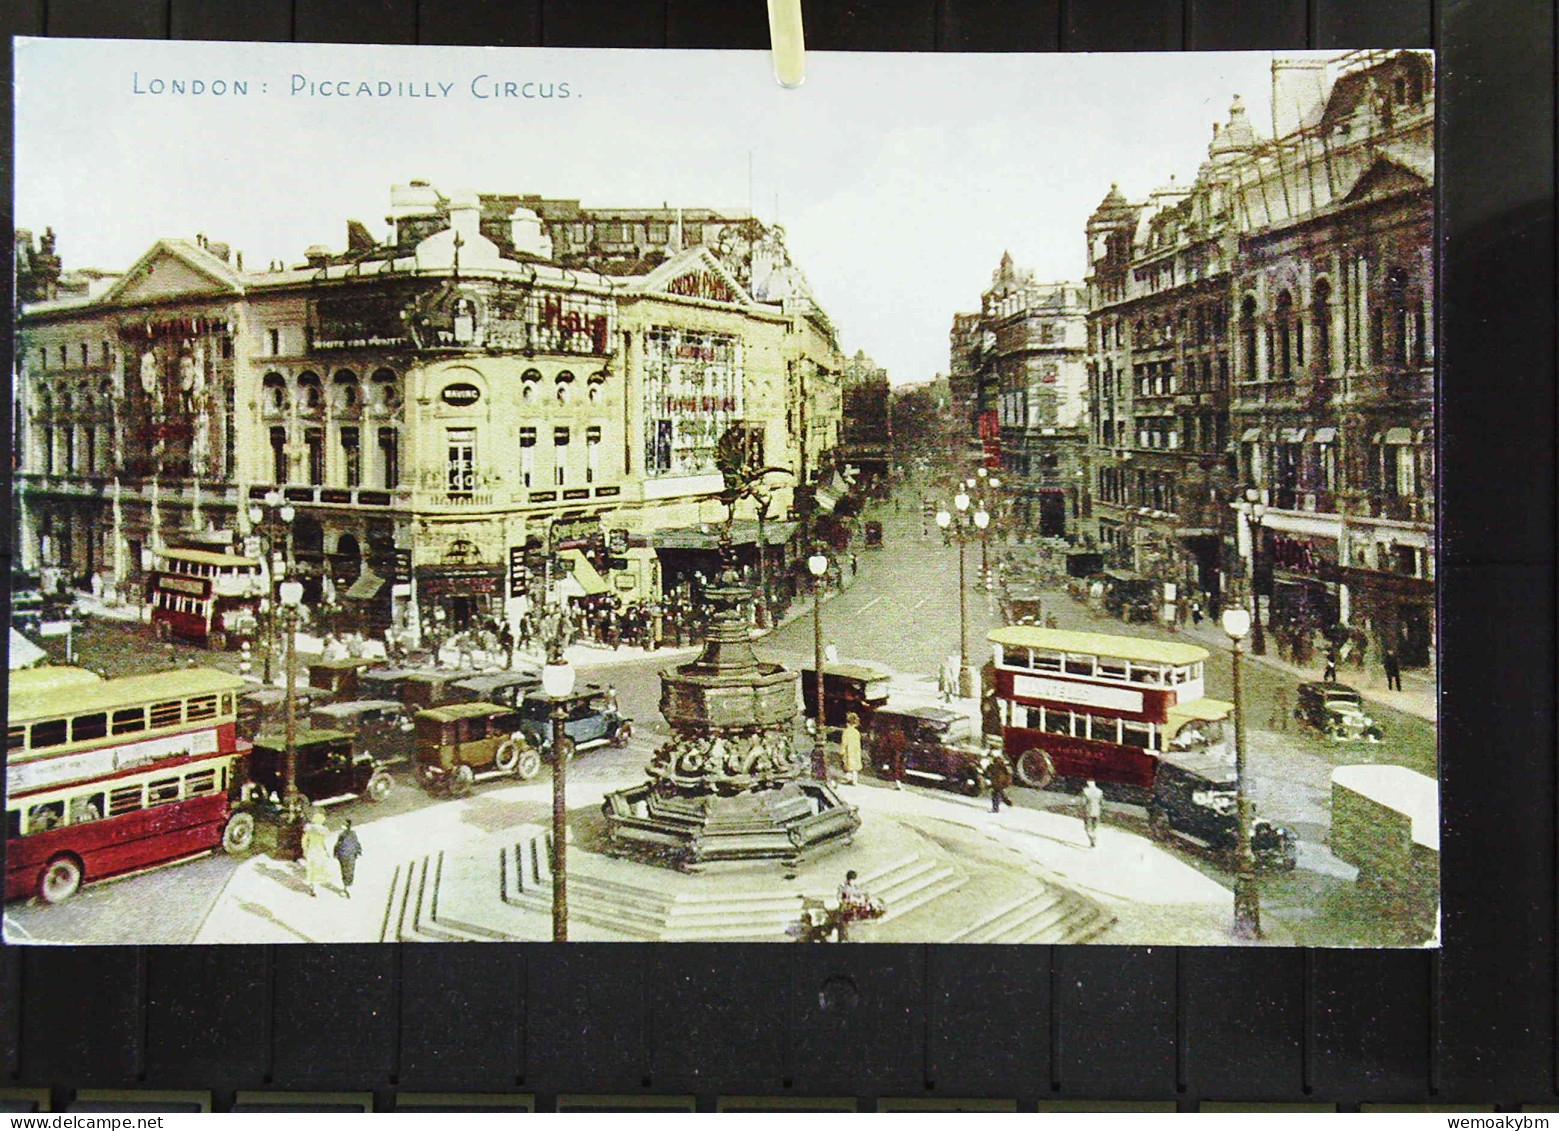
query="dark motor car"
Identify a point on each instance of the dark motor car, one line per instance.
(592, 720)
(939, 746)
(382, 727)
(506, 687)
(847, 688)
(1194, 799)
(1337, 711)
(330, 768)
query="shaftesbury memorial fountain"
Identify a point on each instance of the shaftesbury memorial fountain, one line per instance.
(730, 784)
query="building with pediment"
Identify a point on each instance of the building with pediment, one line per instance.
(1332, 408)
(444, 400)
(1267, 330)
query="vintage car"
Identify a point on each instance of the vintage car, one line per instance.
(382, 727)
(461, 743)
(263, 707)
(1337, 711)
(1023, 604)
(591, 721)
(938, 746)
(330, 768)
(847, 688)
(507, 687)
(1194, 799)
(338, 677)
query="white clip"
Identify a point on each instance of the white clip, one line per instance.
(788, 44)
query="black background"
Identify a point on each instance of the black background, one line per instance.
(1475, 1023)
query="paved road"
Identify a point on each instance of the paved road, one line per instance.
(901, 611)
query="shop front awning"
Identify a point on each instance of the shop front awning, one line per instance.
(1326, 435)
(1294, 435)
(1398, 436)
(707, 536)
(585, 574)
(366, 587)
(1249, 435)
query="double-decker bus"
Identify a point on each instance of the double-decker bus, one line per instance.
(1081, 705)
(205, 596)
(109, 776)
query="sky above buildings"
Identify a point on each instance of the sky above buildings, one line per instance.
(899, 179)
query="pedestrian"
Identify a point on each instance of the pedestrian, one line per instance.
(348, 849)
(999, 775)
(1093, 806)
(1329, 675)
(850, 748)
(889, 743)
(1393, 666)
(852, 900)
(316, 858)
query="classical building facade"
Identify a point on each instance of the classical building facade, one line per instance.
(444, 401)
(1333, 400)
(1261, 352)
(1033, 377)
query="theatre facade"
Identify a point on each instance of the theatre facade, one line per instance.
(441, 412)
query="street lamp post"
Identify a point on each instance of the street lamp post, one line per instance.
(557, 680)
(270, 518)
(1258, 510)
(291, 592)
(958, 525)
(1247, 900)
(817, 566)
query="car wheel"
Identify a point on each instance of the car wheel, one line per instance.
(508, 757)
(59, 879)
(379, 785)
(969, 785)
(623, 734)
(1035, 769)
(238, 834)
(428, 776)
(461, 780)
(529, 765)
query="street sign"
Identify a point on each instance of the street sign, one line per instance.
(55, 628)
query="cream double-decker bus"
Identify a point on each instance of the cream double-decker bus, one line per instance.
(109, 776)
(1081, 705)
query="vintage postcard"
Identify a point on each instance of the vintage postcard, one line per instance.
(475, 494)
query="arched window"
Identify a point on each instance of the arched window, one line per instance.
(1403, 326)
(311, 394)
(1321, 319)
(597, 384)
(387, 390)
(1248, 339)
(348, 393)
(565, 382)
(275, 395)
(528, 382)
(1284, 317)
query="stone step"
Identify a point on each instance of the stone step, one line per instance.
(1015, 911)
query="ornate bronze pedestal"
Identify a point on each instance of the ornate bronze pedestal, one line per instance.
(730, 785)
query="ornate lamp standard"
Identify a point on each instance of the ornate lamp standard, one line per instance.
(1256, 512)
(817, 566)
(273, 517)
(959, 526)
(291, 594)
(1247, 900)
(557, 681)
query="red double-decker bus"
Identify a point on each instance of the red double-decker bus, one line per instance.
(208, 597)
(106, 777)
(1084, 705)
